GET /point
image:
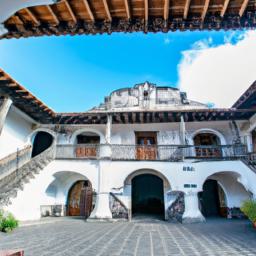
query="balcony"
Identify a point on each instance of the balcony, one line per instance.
(150, 153)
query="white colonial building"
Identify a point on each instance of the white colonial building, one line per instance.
(145, 150)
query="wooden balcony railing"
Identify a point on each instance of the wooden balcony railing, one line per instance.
(149, 153)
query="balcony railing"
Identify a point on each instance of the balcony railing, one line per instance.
(149, 153)
(15, 160)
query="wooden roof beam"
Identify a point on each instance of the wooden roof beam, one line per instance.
(243, 7)
(127, 8)
(146, 10)
(105, 3)
(70, 11)
(88, 9)
(32, 17)
(206, 6)
(56, 20)
(186, 9)
(166, 9)
(224, 8)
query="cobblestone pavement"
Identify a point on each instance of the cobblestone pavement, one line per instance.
(77, 237)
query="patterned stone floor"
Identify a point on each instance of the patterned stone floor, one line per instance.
(76, 237)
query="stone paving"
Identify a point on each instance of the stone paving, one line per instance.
(77, 237)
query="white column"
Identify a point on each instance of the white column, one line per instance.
(108, 129)
(4, 109)
(105, 150)
(248, 141)
(102, 209)
(192, 212)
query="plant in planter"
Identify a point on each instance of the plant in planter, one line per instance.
(7, 222)
(249, 209)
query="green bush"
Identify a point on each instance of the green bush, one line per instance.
(249, 209)
(7, 222)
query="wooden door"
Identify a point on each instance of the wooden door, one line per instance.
(146, 146)
(86, 151)
(80, 199)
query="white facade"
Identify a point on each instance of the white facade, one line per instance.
(110, 175)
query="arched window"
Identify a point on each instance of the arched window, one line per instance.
(41, 142)
(207, 145)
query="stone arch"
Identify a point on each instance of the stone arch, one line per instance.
(100, 134)
(62, 184)
(207, 130)
(234, 191)
(128, 179)
(31, 136)
(41, 140)
(128, 182)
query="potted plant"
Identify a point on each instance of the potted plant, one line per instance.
(249, 209)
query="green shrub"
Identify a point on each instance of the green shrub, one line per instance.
(249, 209)
(7, 222)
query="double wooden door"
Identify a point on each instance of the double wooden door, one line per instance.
(80, 199)
(146, 145)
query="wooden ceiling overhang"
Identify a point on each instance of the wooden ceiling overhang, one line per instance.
(143, 117)
(107, 16)
(24, 100)
(247, 99)
(37, 110)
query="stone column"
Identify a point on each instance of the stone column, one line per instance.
(5, 105)
(192, 213)
(102, 209)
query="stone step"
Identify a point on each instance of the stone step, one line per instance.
(11, 184)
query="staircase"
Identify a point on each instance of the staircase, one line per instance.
(16, 179)
(251, 161)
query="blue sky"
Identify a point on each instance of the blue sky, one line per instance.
(75, 73)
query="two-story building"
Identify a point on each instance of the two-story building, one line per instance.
(146, 150)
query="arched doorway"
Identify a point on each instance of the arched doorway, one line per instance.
(80, 199)
(41, 142)
(207, 145)
(148, 195)
(87, 145)
(213, 200)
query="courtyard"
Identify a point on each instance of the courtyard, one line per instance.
(139, 237)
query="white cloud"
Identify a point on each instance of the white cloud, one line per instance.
(219, 74)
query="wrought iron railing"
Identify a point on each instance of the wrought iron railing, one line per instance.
(149, 153)
(15, 160)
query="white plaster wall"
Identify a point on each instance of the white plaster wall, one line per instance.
(26, 206)
(234, 191)
(167, 133)
(114, 174)
(15, 133)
